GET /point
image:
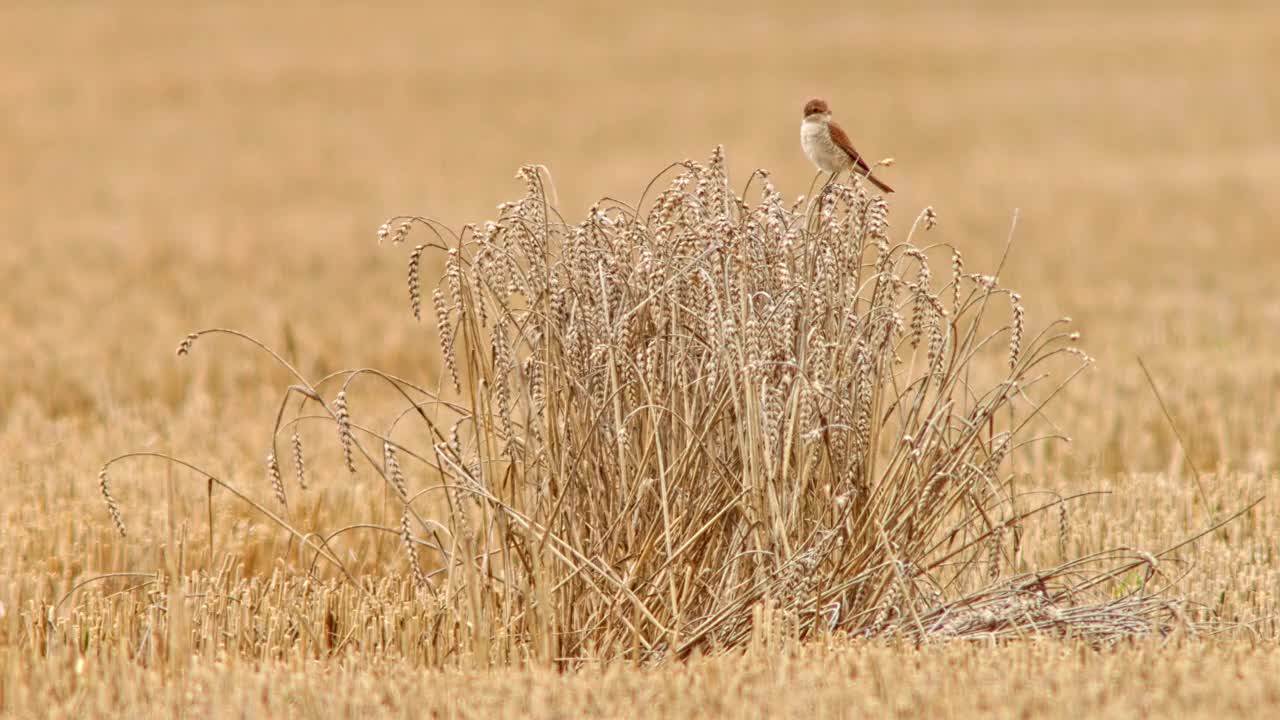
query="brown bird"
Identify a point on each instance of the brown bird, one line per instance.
(827, 145)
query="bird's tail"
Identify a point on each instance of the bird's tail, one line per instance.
(876, 181)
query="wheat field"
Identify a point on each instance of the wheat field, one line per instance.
(229, 166)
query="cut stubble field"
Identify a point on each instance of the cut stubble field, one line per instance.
(171, 170)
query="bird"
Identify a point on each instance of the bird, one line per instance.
(827, 145)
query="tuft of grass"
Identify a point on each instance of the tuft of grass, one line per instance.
(661, 425)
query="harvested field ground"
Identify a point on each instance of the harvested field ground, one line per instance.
(227, 166)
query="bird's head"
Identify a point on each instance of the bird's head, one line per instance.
(816, 106)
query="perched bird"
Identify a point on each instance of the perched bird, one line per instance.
(827, 146)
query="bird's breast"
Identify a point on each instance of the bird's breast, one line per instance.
(818, 146)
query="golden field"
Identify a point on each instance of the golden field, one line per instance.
(169, 170)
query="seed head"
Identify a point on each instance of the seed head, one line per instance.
(391, 466)
(299, 466)
(273, 474)
(402, 232)
(1015, 333)
(415, 292)
(345, 437)
(113, 508)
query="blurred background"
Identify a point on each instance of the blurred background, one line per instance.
(170, 168)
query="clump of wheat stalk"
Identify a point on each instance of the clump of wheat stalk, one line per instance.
(657, 419)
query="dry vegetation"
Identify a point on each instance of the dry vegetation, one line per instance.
(682, 422)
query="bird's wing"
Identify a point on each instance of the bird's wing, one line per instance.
(842, 141)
